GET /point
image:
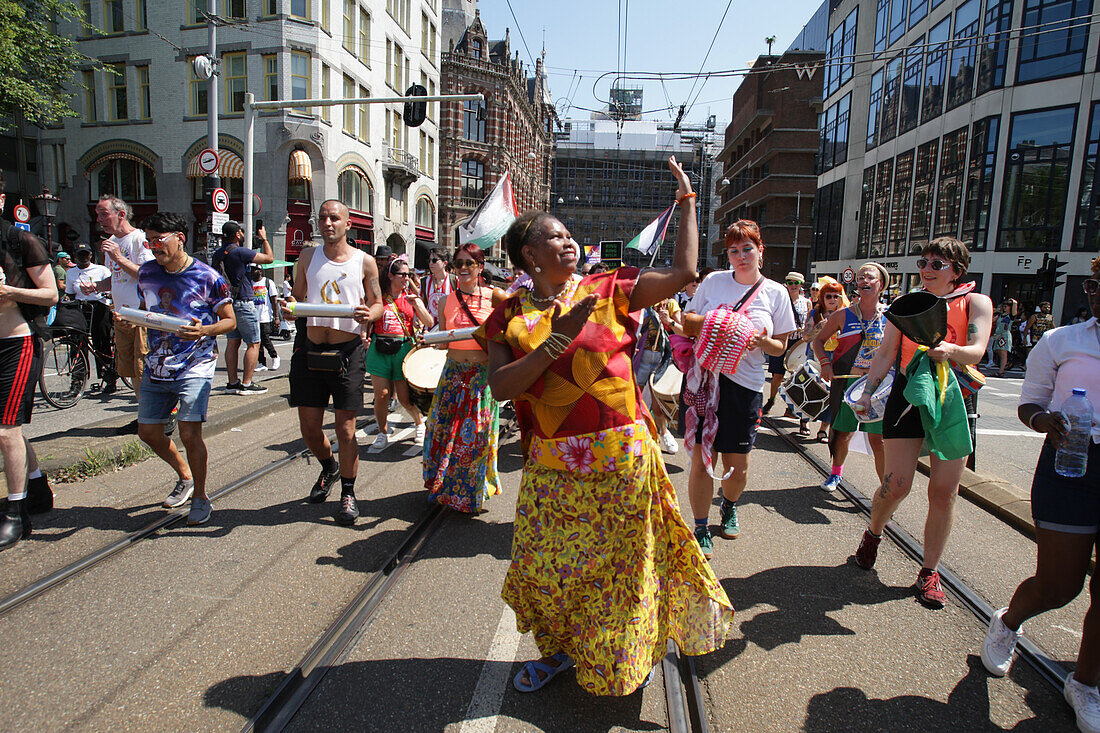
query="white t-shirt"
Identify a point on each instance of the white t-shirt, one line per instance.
(770, 310)
(124, 289)
(93, 273)
(261, 290)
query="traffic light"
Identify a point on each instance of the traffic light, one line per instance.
(1056, 278)
(416, 112)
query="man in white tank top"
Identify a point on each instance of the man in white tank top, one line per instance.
(328, 360)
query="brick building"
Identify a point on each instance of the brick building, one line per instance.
(769, 157)
(512, 132)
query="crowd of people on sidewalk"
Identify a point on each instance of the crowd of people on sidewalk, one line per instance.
(604, 569)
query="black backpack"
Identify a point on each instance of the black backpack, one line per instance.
(14, 241)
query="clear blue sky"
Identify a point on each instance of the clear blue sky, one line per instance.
(582, 41)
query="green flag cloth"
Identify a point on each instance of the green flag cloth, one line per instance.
(946, 430)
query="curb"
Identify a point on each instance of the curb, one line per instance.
(1002, 499)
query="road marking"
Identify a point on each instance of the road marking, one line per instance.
(1072, 632)
(1011, 433)
(484, 710)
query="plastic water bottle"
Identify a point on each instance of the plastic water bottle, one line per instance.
(1072, 458)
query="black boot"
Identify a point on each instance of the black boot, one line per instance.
(39, 495)
(15, 526)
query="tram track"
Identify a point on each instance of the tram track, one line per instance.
(1050, 670)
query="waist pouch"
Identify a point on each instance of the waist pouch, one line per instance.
(388, 345)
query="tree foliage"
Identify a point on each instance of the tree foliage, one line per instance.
(37, 64)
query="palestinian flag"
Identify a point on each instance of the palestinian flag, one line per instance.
(492, 217)
(653, 235)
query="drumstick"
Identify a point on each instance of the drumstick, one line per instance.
(157, 321)
(446, 337)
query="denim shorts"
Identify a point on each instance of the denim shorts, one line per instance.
(248, 322)
(1066, 504)
(157, 399)
(645, 363)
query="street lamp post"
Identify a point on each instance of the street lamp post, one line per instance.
(47, 206)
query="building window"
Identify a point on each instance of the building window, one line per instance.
(116, 92)
(882, 25)
(141, 15)
(196, 11)
(235, 9)
(993, 53)
(271, 7)
(935, 70)
(364, 37)
(897, 20)
(874, 106)
(1056, 44)
(866, 204)
(349, 26)
(475, 48)
(949, 194)
(960, 76)
(427, 37)
(395, 63)
(326, 72)
(198, 90)
(301, 83)
(349, 109)
(354, 190)
(840, 55)
(473, 181)
(113, 16)
(399, 11)
(145, 106)
(364, 116)
(128, 179)
(1086, 235)
(891, 99)
(828, 216)
(909, 113)
(920, 220)
(979, 182)
(833, 149)
(300, 8)
(880, 218)
(1033, 204)
(917, 10)
(91, 114)
(899, 218)
(396, 128)
(271, 77)
(235, 74)
(433, 107)
(473, 120)
(326, 15)
(425, 213)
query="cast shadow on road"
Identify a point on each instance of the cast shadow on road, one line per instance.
(430, 694)
(799, 504)
(967, 708)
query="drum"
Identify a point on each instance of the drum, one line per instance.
(796, 357)
(805, 392)
(666, 392)
(722, 340)
(878, 398)
(422, 368)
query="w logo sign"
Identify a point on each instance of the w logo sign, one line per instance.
(805, 72)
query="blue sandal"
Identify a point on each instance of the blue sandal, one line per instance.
(532, 669)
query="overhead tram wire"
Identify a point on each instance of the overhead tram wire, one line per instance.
(706, 56)
(520, 31)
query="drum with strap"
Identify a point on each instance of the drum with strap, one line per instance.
(805, 392)
(878, 398)
(666, 390)
(422, 368)
(722, 340)
(796, 357)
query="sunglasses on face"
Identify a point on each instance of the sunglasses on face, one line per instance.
(1091, 286)
(401, 274)
(936, 265)
(157, 243)
(792, 282)
(435, 259)
(831, 296)
(463, 264)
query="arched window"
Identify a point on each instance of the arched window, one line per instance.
(473, 180)
(425, 213)
(126, 178)
(354, 189)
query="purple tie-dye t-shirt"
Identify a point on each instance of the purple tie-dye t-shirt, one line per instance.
(197, 291)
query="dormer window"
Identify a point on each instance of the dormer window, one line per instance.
(475, 48)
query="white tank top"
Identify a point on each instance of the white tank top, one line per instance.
(335, 282)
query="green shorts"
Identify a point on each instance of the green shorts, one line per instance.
(387, 366)
(844, 420)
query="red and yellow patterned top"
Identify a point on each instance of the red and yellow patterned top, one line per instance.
(591, 386)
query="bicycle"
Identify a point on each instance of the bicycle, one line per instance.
(66, 363)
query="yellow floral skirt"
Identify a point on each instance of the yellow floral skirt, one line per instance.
(604, 567)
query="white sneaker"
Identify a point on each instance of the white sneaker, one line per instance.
(1085, 701)
(260, 368)
(420, 430)
(668, 443)
(380, 442)
(275, 363)
(998, 646)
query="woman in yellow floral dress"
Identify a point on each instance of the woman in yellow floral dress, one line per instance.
(604, 569)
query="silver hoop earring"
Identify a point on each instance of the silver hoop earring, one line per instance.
(538, 269)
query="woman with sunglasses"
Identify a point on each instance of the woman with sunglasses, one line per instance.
(857, 331)
(439, 283)
(831, 298)
(942, 266)
(460, 448)
(604, 570)
(390, 344)
(1066, 510)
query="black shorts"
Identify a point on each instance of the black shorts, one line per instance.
(20, 365)
(311, 388)
(777, 365)
(897, 423)
(739, 411)
(1066, 504)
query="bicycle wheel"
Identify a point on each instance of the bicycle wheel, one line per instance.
(64, 374)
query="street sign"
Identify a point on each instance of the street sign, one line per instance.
(217, 221)
(23, 225)
(848, 276)
(208, 161)
(22, 213)
(220, 200)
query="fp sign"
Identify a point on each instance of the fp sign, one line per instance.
(220, 200)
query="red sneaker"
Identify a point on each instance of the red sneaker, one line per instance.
(929, 591)
(868, 550)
